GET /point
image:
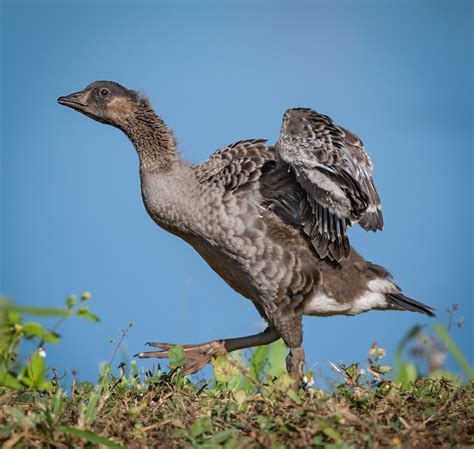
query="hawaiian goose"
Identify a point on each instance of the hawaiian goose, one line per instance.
(270, 220)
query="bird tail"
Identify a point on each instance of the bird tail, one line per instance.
(400, 301)
(372, 220)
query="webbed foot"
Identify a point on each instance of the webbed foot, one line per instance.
(196, 356)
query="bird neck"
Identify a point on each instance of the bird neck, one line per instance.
(153, 140)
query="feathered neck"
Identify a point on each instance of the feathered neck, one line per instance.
(153, 140)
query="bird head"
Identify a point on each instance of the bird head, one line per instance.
(106, 102)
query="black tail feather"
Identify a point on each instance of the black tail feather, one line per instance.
(372, 221)
(400, 301)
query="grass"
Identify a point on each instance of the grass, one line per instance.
(247, 404)
(168, 411)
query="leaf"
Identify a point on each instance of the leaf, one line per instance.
(277, 358)
(408, 373)
(91, 409)
(36, 370)
(226, 371)
(84, 313)
(221, 437)
(332, 433)
(34, 329)
(352, 371)
(58, 402)
(318, 440)
(70, 301)
(10, 381)
(284, 382)
(13, 317)
(28, 397)
(240, 397)
(84, 388)
(176, 357)
(134, 369)
(257, 362)
(32, 373)
(200, 426)
(267, 360)
(232, 443)
(41, 311)
(90, 436)
(293, 395)
(381, 369)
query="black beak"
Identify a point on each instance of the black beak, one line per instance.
(73, 101)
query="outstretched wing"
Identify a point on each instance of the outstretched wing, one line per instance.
(335, 172)
(235, 165)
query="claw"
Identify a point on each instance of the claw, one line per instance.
(159, 345)
(170, 345)
(150, 354)
(196, 356)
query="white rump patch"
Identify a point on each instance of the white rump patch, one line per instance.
(372, 298)
(380, 285)
(324, 305)
(368, 301)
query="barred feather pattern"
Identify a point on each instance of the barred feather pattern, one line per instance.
(235, 165)
(331, 165)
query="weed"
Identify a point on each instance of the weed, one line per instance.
(249, 404)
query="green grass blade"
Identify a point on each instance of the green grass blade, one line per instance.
(257, 362)
(454, 350)
(90, 436)
(277, 358)
(405, 372)
(10, 381)
(40, 311)
(96, 394)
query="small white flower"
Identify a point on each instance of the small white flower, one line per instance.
(42, 352)
(308, 380)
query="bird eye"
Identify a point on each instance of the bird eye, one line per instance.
(104, 91)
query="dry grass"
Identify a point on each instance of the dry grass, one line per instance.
(170, 412)
(249, 405)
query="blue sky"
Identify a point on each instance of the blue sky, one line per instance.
(399, 74)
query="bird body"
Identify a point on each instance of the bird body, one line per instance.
(270, 220)
(229, 220)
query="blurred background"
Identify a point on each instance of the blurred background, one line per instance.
(398, 74)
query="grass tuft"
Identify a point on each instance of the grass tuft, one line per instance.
(171, 411)
(247, 404)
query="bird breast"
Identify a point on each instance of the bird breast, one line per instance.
(171, 200)
(226, 228)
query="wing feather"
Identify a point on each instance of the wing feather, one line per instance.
(235, 165)
(331, 165)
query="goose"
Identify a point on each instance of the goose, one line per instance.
(271, 220)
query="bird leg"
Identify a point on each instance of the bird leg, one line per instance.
(291, 330)
(196, 356)
(295, 364)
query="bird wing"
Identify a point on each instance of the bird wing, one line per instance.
(236, 164)
(335, 172)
